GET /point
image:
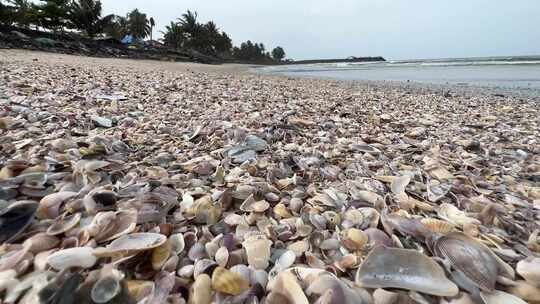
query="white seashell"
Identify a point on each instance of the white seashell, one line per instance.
(82, 257)
(257, 251)
(222, 256)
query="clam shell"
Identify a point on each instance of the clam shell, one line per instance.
(132, 243)
(139, 289)
(50, 204)
(437, 226)
(287, 288)
(82, 257)
(63, 224)
(250, 205)
(105, 289)
(525, 291)
(258, 251)
(529, 269)
(15, 218)
(201, 290)
(222, 256)
(404, 269)
(41, 242)
(471, 258)
(453, 215)
(160, 255)
(228, 282)
(177, 243)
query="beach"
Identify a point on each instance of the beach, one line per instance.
(274, 172)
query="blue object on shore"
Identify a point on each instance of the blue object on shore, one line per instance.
(128, 39)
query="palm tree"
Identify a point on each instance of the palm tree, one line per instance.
(85, 15)
(189, 23)
(117, 28)
(173, 35)
(138, 24)
(152, 24)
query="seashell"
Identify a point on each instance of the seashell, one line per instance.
(40, 260)
(171, 264)
(222, 256)
(371, 218)
(211, 249)
(285, 260)
(15, 218)
(404, 269)
(347, 262)
(330, 244)
(177, 243)
(243, 271)
(41, 242)
(131, 243)
(313, 261)
(437, 226)
(259, 277)
(105, 289)
(258, 251)
(82, 257)
(201, 290)
(332, 218)
(138, 290)
(286, 289)
(205, 211)
(49, 206)
(529, 269)
(63, 224)
(399, 184)
(318, 221)
(500, 297)
(296, 204)
(282, 211)
(354, 239)
(250, 205)
(160, 255)
(525, 291)
(234, 219)
(186, 271)
(124, 222)
(453, 215)
(197, 252)
(333, 290)
(228, 282)
(471, 258)
(299, 247)
(204, 266)
(367, 196)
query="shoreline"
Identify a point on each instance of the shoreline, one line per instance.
(204, 165)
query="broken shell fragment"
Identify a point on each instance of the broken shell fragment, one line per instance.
(404, 269)
(15, 218)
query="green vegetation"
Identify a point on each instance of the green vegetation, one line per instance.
(85, 16)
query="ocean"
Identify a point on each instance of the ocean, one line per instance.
(514, 72)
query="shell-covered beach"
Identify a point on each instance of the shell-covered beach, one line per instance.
(126, 181)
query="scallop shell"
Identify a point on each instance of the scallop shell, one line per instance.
(437, 226)
(105, 289)
(228, 282)
(404, 269)
(282, 211)
(131, 243)
(468, 256)
(258, 251)
(82, 257)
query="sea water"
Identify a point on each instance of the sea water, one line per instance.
(505, 72)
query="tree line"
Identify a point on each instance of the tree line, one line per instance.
(85, 16)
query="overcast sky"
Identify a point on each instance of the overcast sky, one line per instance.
(395, 29)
